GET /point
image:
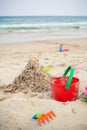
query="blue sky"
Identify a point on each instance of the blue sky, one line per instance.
(43, 7)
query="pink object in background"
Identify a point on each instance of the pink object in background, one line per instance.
(86, 91)
(79, 68)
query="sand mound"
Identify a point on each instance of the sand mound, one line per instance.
(33, 78)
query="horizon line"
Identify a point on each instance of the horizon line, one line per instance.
(42, 15)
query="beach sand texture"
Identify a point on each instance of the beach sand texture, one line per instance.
(18, 107)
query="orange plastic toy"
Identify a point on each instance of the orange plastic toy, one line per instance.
(46, 117)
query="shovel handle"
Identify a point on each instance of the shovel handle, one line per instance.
(71, 69)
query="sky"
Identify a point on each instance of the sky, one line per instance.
(43, 7)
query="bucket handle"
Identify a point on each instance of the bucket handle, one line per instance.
(71, 69)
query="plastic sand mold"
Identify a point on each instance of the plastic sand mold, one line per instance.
(47, 69)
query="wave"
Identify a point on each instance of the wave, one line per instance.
(42, 26)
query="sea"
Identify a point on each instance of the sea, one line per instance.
(29, 28)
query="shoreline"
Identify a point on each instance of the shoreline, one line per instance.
(29, 37)
(46, 41)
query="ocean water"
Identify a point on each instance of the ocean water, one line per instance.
(41, 23)
(56, 25)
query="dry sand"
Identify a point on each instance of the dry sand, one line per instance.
(17, 108)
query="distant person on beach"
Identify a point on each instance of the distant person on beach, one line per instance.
(61, 47)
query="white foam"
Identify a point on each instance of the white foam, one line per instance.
(54, 24)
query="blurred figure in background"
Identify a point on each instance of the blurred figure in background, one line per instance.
(61, 47)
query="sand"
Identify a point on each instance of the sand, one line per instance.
(18, 107)
(33, 78)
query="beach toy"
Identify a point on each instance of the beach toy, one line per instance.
(36, 116)
(51, 114)
(47, 69)
(64, 50)
(84, 98)
(42, 118)
(46, 117)
(65, 88)
(80, 68)
(86, 91)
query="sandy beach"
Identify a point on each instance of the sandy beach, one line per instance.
(18, 107)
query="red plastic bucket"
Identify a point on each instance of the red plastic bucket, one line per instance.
(65, 88)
